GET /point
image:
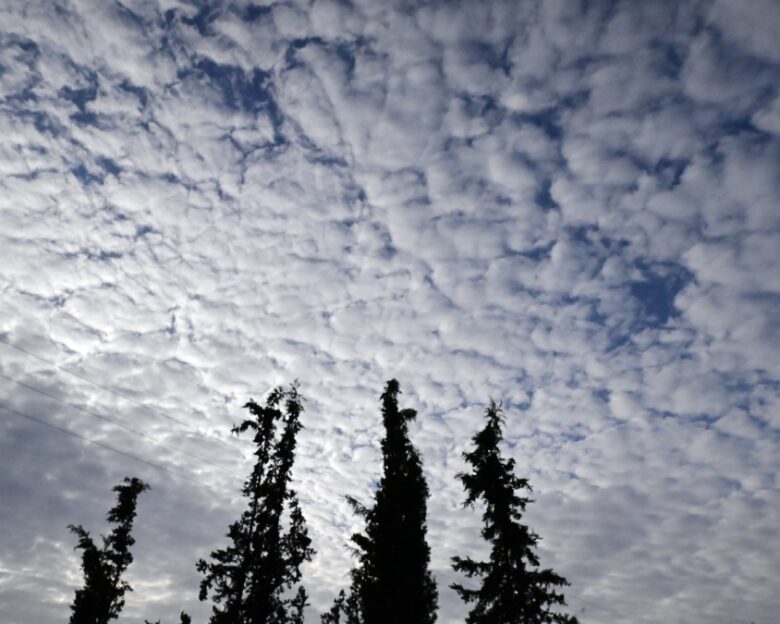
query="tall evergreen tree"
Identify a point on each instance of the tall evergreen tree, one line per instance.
(392, 583)
(252, 580)
(514, 590)
(103, 595)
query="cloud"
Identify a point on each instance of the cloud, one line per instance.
(570, 207)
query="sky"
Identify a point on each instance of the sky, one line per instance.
(569, 206)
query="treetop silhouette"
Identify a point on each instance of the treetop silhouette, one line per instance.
(102, 597)
(392, 583)
(255, 579)
(513, 590)
(252, 580)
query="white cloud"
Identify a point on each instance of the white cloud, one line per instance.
(571, 208)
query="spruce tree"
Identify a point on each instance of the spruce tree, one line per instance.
(102, 597)
(392, 583)
(252, 580)
(513, 590)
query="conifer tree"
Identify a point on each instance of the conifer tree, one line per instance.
(252, 580)
(392, 583)
(513, 590)
(102, 597)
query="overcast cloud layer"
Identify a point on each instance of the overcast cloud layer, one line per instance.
(572, 207)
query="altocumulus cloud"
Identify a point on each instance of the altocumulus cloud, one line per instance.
(569, 206)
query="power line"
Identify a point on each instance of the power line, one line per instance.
(106, 446)
(117, 423)
(121, 395)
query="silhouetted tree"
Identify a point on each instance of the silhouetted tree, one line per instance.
(392, 583)
(514, 590)
(333, 616)
(102, 597)
(346, 606)
(252, 579)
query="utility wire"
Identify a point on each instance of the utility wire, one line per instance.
(106, 446)
(121, 395)
(118, 424)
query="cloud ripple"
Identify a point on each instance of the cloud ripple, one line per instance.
(571, 207)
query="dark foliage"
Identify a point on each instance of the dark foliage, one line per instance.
(103, 595)
(392, 583)
(183, 619)
(251, 580)
(333, 616)
(514, 590)
(345, 610)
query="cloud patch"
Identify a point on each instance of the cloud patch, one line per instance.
(567, 206)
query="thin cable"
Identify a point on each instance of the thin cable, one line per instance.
(118, 424)
(121, 395)
(106, 446)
